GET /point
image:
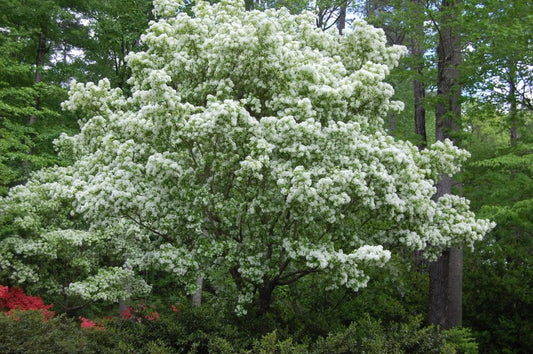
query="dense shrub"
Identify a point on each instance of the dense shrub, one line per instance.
(368, 335)
(26, 332)
(180, 330)
(202, 330)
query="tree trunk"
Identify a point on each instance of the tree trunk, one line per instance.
(265, 298)
(122, 306)
(196, 298)
(39, 62)
(512, 99)
(446, 288)
(122, 303)
(445, 291)
(341, 20)
(419, 89)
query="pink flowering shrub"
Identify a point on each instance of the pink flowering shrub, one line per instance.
(175, 308)
(15, 299)
(140, 312)
(87, 324)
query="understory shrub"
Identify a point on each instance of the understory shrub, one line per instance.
(368, 335)
(26, 332)
(202, 330)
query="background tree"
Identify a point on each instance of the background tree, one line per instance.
(115, 28)
(497, 54)
(44, 45)
(29, 117)
(498, 180)
(446, 273)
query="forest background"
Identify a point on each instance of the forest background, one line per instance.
(46, 44)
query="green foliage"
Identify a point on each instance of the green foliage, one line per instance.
(368, 335)
(498, 59)
(498, 278)
(18, 141)
(30, 115)
(117, 27)
(202, 330)
(270, 343)
(187, 330)
(306, 311)
(498, 288)
(29, 108)
(26, 332)
(461, 340)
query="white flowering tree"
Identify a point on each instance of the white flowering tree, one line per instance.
(250, 153)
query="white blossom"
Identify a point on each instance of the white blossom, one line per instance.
(250, 140)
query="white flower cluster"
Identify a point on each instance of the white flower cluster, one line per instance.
(166, 8)
(110, 285)
(344, 267)
(253, 145)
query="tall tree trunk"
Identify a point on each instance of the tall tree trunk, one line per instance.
(341, 20)
(123, 303)
(419, 89)
(512, 99)
(196, 298)
(445, 307)
(39, 62)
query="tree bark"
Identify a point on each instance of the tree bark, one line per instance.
(341, 20)
(39, 62)
(445, 292)
(446, 288)
(196, 298)
(265, 297)
(419, 88)
(419, 91)
(513, 109)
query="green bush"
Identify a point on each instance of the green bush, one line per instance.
(191, 330)
(368, 335)
(270, 343)
(27, 332)
(461, 340)
(202, 330)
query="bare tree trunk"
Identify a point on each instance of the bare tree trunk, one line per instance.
(446, 279)
(512, 99)
(265, 297)
(419, 89)
(41, 54)
(341, 20)
(39, 62)
(122, 303)
(196, 298)
(122, 306)
(445, 292)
